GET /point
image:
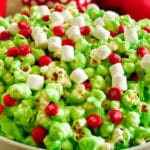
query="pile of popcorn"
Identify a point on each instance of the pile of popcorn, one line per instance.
(74, 80)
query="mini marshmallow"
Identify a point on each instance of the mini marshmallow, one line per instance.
(67, 15)
(36, 31)
(109, 15)
(131, 35)
(67, 53)
(13, 28)
(119, 81)
(99, 21)
(2, 28)
(43, 10)
(56, 18)
(74, 32)
(78, 76)
(103, 52)
(145, 62)
(78, 21)
(116, 69)
(54, 44)
(101, 33)
(35, 82)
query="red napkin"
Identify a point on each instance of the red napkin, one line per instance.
(2, 7)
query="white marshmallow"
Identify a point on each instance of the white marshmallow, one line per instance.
(36, 31)
(43, 10)
(57, 18)
(103, 52)
(54, 44)
(78, 21)
(116, 69)
(145, 62)
(74, 32)
(2, 28)
(101, 33)
(35, 82)
(119, 81)
(67, 15)
(67, 53)
(78, 76)
(131, 35)
(109, 15)
(13, 28)
(99, 21)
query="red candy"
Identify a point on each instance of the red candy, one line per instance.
(25, 32)
(38, 134)
(59, 8)
(112, 33)
(121, 29)
(114, 58)
(94, 121)
(59, 31)
(115, 116)
(68, 42)
(26, 13)
(12, 52)
(44, 60)
(51, 109)
(85, 30)
(5, 35)
(46, 18)
(141, 51)
(147, 29)
(1, 108)
(9, 101)
(114, 93)
(24, 50)
(23, 25)
(87, 85)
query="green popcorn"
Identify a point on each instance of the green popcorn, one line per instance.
(19, 17)
(90, 72)
(67, 145)
(147, 76)
(37, 53)
(77, 112)
(57, 131)
(79, 61)
(129, 67)
(2, 88)
(130, 98)
(8, 78)
(82, 45)
(10, 129)
(132, 119)
(4, 22)
(15, 66)
(60, 116)
(107, 129)
(91, 143)
(1, 63)
(3, 73)
(52, 145)
(102, 70)
(56, 86)
(29, 59)
(98, 82)
(35, 69)
(20, 76)
(98, 94)
(19, 91)
(23, 114)
(93, 100)
(8, 61)
(112, 24)
(20, 40)
(42, 119)
(114, 105)
(29, 141)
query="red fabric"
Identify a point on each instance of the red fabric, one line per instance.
(2, 7)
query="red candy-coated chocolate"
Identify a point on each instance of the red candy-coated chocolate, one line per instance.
(114, 58)
(1, 108)
(9, 101)
(23, 25)
(87, 85)
(44, 60)
(85, 30)
(59, 31)
(5, 35)
(68, 42)
(51, 109)
(115, 116)
(12, 52)
(25, 32)
(38, 134)
(94, 121)
(24, 50)
(46, 18)
(114, 93)
(141, 51)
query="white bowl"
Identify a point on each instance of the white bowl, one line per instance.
(7, 144)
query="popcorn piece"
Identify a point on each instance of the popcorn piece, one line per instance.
(109, 15)
(67, 15)
(93, 6)
(78, 76)
(2, 28)
(13, 28)
(73, 32)
(35, 82)
(145, 62)
(118, 135)
(57, 18)
(101, 33)
(99, 21)
(116, 69)
(43, 10)
(54, 44)
(119, 81)
(103, 52)
(67, 53)
(78, 21)
(131, 35)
